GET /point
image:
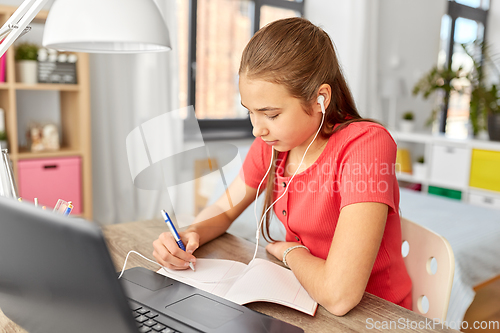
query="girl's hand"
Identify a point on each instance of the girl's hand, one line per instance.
(278, 248)
(168, 254)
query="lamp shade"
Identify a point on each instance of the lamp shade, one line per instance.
(106, 26)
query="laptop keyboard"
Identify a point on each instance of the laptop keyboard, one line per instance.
(149, 321)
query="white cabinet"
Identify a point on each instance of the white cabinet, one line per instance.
(480, 198)
(449, 166)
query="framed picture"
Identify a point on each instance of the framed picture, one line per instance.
(43, 137)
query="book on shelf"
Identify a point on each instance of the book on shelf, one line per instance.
(259, 281)
(3, 67)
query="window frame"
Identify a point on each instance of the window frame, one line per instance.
(456, 10)
(213, 129)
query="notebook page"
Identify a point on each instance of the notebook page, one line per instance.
(266, 281)
(215, 276)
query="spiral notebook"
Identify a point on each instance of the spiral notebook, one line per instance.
(260, 281)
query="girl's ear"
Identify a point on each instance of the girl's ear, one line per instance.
(326, 91)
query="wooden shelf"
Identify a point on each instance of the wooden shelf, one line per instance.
(47, 86)
(63, 152)
(408, 177)
(449, 162)
(412, 137)
(74, 101)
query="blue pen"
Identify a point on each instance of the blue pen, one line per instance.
(69, 209)
(174, 233)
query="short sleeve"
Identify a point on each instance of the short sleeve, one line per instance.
(367, 167)
(256, 163)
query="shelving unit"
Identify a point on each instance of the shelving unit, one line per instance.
(410, 178)
(47, 86)
(468, 170)
(75, 116)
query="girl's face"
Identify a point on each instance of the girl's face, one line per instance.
(277, 117)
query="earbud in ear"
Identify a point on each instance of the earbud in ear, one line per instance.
(321, 101)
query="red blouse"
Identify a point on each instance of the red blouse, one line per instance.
(357, 165)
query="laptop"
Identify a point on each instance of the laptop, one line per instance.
(56, 275)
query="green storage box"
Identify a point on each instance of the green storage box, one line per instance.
(445, 192)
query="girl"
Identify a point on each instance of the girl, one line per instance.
(340, 211)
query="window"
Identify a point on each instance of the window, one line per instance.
(223, 30)
(210, 53)
(464, 23)
(483, 4)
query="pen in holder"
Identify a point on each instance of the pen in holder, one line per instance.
(63, 207)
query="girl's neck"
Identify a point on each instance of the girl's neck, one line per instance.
(295, 156)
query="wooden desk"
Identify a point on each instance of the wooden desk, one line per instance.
(139, 236)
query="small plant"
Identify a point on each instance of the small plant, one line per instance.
(408, 115)
(421, 160)
(485, 98)
(27, 51)
(441, 81)
(438, 79)
(3, 136)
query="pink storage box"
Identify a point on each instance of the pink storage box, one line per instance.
(50, 180)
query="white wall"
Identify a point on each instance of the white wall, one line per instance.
(338, 19)
(407, 32)
(333, 16)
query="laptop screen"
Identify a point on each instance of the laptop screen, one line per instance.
(56, 274)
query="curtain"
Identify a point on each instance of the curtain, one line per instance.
(127, 91)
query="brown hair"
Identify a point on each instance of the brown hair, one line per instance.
(301, 56)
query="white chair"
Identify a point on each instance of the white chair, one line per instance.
(426, 251)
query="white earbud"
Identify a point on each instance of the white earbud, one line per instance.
(321, 101)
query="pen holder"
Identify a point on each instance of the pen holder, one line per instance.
(61, 206)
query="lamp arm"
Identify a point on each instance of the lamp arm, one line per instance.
(18, 22)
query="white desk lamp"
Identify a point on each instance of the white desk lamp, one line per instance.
(94, 26)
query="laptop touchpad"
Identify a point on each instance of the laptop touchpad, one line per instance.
(204, 311)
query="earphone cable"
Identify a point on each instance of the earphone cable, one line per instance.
(257, 194)
(169, 272)
(257, 235)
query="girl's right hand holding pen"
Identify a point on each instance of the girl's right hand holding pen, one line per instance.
(167, 252)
